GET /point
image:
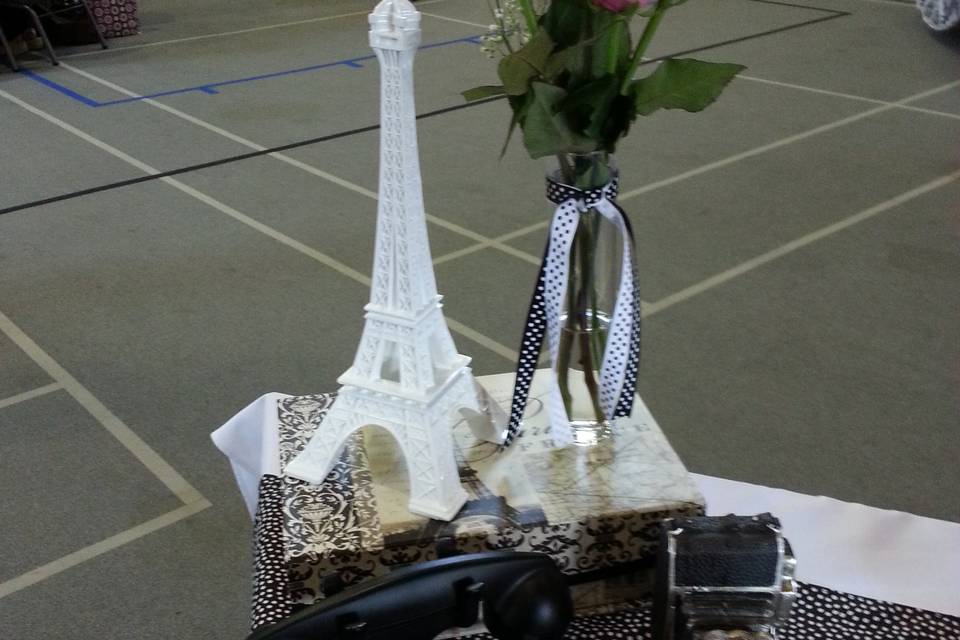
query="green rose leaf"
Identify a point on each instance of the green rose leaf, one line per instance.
(514, 121)
(683, 83)
(620, 116)
(518, 69)
(587, 108)
(483, 91)
(612, 49)
(545, 130)
(564, 21)
(560, 62)
(607, 51)
(519, 106)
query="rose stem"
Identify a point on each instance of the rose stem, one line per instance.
(586, 274)
(566, 337)
(645, 38)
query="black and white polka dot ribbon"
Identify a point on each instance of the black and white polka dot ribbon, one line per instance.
(621, 357)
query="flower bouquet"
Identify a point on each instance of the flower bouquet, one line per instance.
(569, 71)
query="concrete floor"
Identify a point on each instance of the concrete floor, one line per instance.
(797, 250)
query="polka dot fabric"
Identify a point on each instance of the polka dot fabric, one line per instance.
(562, 232)
(627, 393)
(622, 355)
(819, 614)
(618, 380)
(533, 333)
(824, 614)
(270, 598)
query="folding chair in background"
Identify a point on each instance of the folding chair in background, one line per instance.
(38, 9)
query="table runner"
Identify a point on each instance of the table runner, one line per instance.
(819, 614)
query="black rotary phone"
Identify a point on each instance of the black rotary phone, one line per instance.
(524, 597)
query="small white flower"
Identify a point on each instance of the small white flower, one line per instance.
(508, 33)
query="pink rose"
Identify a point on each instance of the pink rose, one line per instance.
(617, 6)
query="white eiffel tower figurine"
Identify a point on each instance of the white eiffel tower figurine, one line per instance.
(407, 375)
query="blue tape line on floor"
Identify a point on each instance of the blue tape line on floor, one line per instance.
(70, 93)
(211, 88)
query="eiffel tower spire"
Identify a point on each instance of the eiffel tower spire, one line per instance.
(407, 375)
(404, 290)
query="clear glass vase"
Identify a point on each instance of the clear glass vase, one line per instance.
(593, 281)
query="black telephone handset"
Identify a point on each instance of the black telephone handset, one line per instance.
(524, 597)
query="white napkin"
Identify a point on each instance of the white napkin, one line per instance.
(251, 440)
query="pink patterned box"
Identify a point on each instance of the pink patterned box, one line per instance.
(116, 17)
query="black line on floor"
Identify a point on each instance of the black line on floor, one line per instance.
(222, 161)
(343, 134)
(832, 16)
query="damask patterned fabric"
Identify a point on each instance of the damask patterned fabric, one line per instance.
(291, 514)
(338, 527)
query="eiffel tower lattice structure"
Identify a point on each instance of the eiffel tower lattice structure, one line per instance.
(407, 375)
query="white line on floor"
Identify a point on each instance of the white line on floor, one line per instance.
(799, 243)
(485, 27)
(29, 395)
(784, 141)
(133, 443)
(483, 340)
(850, 96)
(81, 134)
(269, 231)
(458, 327)
(482, 241)
(459, 253)
(884, 106)
(221, 34)
(901, 3)
(87, 553)
(787, 85)
(457, 20)
(303, 166)
(324, 259)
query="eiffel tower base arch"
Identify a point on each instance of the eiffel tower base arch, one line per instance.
(421, 427)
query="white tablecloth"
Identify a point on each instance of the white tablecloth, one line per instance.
(887, 555)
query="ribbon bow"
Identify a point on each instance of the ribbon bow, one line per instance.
(621, 356)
